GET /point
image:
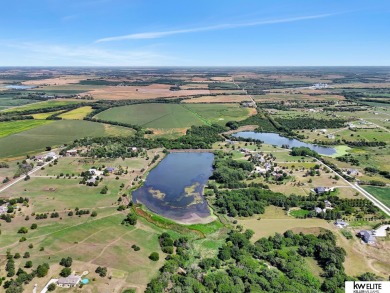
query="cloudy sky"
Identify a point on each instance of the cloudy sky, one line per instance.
(194, 33)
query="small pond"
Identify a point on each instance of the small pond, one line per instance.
(278, 140)
(174, 189)
(19, 87)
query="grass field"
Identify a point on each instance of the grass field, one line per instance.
(13, 102)
(167, 116)
(381, 193)
(360, 257)
(43, 116)
(41, 105)
(77, 114)
(12, 127)
(54, 134)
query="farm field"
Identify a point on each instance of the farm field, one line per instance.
(12, 127)
(6, 103)
(141, 92)
(218, 99)
(54, 134)
(296, 97)
(41, 105)
(77, 114)
(173, 115)
(381, 193)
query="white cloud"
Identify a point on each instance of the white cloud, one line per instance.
(49, 54)
(155, 35)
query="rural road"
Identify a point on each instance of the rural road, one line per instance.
(245, 91)
(366, 194)
(23, 176)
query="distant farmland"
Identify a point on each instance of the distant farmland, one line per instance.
(11, 127)
(166, 116)
(41, 105)
(55, 133)
(77, 114)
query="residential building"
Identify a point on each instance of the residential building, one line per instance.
(340, 223)
(367, 236)
(320, 190)
(71, 152)
(69, 282)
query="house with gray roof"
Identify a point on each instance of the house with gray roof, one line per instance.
(320, 190)
(367, 236)
(69, 282)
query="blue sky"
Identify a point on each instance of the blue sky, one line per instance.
(194, 33)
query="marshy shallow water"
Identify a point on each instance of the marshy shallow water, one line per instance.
(174, 189)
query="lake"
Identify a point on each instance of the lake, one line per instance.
(174, 189)
(276, 139)
(19, 87)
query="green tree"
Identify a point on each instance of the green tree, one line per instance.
(154, 256)
(65, 272)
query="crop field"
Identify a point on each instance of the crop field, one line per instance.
(218, 99)
(77, 114)
(141, 92)
(41, 105)
(381, 193)
(6, 103)
(54, 134)
(12, 127)
(56, 81)
(296, 97)
(173, 115)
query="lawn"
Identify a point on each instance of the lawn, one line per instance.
(77, 114)
(54, 134)
(299, 213)
(166, 116)
(381, 193)
(12, 127)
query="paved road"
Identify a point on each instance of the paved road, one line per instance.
(366, 194)
(23, 176)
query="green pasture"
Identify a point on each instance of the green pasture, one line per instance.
(54, 134)
(11, 127)
(381, 193)
(167, 116)
(41, 105)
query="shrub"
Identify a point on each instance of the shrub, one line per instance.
(154, 256)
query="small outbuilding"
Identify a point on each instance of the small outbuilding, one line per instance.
(340, 223)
